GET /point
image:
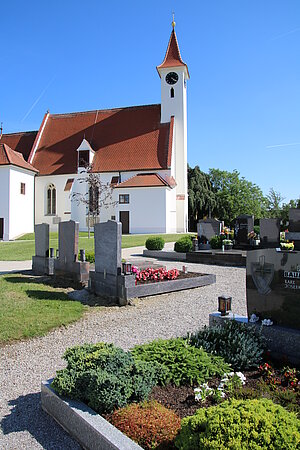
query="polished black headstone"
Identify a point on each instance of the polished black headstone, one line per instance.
(244, 224)
(269, 232)
(273, 286)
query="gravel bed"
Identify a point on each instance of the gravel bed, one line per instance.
(25, 364)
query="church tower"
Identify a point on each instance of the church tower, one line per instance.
(174, 74)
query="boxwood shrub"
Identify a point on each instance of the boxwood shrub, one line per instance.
(240, 425)
(183, 363)
(183, 245)
(105, 377)
(155, 243)
(240, 345)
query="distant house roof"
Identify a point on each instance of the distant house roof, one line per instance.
(11, 157)
(123, 139)
(173, 57)
(20, 142)
(147, 180)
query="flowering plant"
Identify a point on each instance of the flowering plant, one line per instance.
(252, 235)
(287, 245)
(159, 274)
(229, 382)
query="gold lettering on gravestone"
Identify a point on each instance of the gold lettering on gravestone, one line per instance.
(292, 278)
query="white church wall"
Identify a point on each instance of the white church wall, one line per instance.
(147, 209)
(171, 223)
(4, 200)
(21, 213)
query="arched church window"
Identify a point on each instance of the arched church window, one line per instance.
(172, 93)
(51, 199)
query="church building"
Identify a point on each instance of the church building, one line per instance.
(141, 151)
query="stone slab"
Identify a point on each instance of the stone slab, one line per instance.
(284, 343)
(75, 271)
(42, 266)
(269, 232)
(208, 228)
(226, 258)
(41, 237)
(68, 234)
(168, 255)
(273, 286)
(87, 427)
(294, 219)
(108, 247)
(243, 225)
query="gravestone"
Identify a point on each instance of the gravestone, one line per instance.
(269, 233)
(67, 264)
(108, 247)
(293, 235)
(244, 224)
(41, 263)
(273, 286)
(107, 280)
(207, 228)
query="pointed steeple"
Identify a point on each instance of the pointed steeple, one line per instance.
(173, 57)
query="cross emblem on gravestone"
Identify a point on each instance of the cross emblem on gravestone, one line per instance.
(262, 275)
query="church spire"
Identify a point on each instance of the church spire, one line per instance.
(173, 56)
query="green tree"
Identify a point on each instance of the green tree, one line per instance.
(274, 200)
(235, 195)
(202, 198)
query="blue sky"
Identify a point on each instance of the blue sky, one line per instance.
(243, 58)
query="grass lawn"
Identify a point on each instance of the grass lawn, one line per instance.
(23, 249)
(30, 308)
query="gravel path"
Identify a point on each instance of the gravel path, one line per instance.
(25, 364)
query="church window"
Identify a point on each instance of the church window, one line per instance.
(172, 93)
(124, 198)
(51, 200)
(83, 158)
(22, 188)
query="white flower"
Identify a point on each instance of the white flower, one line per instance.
(267, 322)
(254, 318)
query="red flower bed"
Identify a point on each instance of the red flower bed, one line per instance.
(155, 275)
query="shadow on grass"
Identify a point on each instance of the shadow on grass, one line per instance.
(55, 282)
(47, 295)
(27, 415)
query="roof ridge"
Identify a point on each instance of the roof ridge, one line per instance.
(18, 132)
(152, 105)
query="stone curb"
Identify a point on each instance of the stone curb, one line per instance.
(87, 427)
(165, 254)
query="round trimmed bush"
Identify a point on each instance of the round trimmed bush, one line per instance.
(149, 424)
(155, 243)
(216, 242)
(240, 425)
(183, 245)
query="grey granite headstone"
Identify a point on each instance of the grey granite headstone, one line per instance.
(207, 228)
(293, 234)
(269, 232)
(273, 286)
(68, 234)
(41, 235)
(108, 247)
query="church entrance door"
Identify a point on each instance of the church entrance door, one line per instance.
(124, 219)
(1, 227)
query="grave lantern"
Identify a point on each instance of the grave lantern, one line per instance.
(224, 305)
(126, 268)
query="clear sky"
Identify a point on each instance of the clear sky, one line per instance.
(243, 57)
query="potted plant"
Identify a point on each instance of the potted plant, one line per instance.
(228, 244)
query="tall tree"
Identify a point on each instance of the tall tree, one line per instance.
(274, 200)
(202, 198)
(235, 195)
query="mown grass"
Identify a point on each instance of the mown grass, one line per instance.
(22, 250)
(30, 308)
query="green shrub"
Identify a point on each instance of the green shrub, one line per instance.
(89, 257)
(155, 243)
(105, 377)
(183, 245)
(256, 229)
(183, 363)
(239, 345)
(240, 425)
(149, 424)
(216, 242)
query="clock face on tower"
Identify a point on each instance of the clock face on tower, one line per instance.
(172, 78)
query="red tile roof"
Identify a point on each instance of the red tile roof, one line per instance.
(172, 57)
(146, 180)
(20, 142)
(123, 139)
(9, 156)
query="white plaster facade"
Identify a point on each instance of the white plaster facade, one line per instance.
(16, 209)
